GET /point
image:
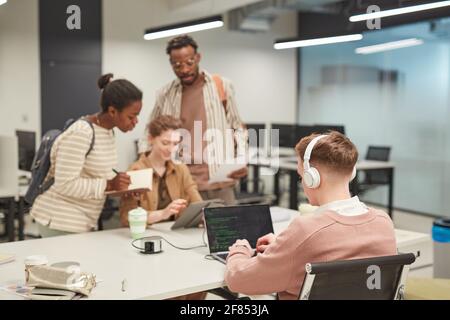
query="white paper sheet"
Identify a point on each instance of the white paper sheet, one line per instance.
(225, 169)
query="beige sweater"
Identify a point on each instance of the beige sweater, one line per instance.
(74, 202)
(322, 237)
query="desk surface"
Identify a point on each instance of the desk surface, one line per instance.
(109, 255)
(427, 289)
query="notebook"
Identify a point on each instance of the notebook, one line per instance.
(141, 181)
(224, 225)
(51, 294)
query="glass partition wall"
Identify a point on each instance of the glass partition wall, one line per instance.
(398, 98)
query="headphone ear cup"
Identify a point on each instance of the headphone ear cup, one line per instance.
(353, 174)
(312, 178)
(316, 178)
(307, 178)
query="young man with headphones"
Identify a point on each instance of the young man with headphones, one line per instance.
(342, 227)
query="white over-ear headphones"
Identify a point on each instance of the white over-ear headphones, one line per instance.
(311, 175)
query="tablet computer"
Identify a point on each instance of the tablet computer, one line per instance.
(192, 215)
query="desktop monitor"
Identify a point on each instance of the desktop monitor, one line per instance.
(287, 135)
(324, 128)
(27, 149)
(303, 131)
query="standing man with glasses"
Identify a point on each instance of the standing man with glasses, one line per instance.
(206, 104)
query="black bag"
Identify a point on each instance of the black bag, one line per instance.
(41, 163)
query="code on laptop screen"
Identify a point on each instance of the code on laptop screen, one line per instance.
(227, 224)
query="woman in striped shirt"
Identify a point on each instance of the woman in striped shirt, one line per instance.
(74, 202)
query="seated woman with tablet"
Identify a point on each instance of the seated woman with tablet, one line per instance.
(172, 187)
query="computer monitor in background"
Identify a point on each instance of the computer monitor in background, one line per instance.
(287, 134)
(303, 131)
(27, 149)
(257, 136)
(324, 128)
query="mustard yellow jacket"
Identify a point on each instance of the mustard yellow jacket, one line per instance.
(180, 185)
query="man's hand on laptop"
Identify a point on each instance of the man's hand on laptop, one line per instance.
(241, 246)
(264, 242)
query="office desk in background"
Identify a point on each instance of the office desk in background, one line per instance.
(289, 164)
(16, 208)
(8, 203)
(109, 255)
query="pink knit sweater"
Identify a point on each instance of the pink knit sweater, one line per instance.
(326, 236)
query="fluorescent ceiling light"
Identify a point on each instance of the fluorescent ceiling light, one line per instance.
(315, 42)
(393, 12)
(389, 46)
(183, 28)
(3, 2)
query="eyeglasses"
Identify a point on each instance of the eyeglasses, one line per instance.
(179, 65)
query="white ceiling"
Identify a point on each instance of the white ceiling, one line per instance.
(206, 7)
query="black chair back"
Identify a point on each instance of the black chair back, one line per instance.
(379, 278)
(377, 153)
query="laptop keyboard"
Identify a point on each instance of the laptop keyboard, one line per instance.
(222, 255)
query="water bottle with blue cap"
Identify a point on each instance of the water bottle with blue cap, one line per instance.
(441, 238)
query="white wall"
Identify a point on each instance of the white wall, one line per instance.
(264, 79)
(19, 67)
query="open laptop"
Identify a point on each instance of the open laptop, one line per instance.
(227, 224)
(192, 215)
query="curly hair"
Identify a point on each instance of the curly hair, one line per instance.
(181, 42)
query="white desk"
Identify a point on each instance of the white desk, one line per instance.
(110, 256)
(289, 164)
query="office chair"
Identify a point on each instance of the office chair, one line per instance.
(378, 278)
(374, 178)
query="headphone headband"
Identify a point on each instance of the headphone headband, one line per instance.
(309, 149)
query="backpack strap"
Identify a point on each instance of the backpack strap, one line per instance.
(221, 90)
(93, 136)
(70, 122)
